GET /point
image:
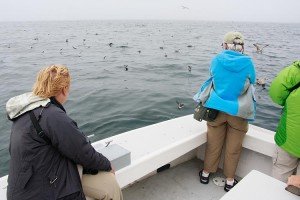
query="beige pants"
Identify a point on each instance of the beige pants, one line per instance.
(229, 131)
(284, 165)
(102, 186)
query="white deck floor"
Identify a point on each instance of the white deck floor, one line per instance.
(178, 183)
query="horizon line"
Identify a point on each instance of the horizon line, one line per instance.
(200, 20)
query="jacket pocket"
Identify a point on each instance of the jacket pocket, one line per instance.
(24, 177)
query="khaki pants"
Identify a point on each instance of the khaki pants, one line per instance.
(102, 186)
(229, 131)
(284, 165)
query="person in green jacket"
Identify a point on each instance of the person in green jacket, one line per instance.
(285, 91)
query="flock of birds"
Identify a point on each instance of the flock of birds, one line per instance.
(259, 49)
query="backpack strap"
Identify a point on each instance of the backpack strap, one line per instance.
(38, 128)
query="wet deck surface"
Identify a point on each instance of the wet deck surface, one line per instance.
(178, 183)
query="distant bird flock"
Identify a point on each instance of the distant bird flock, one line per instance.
(258, 47)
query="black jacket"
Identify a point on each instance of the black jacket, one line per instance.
(39, 170)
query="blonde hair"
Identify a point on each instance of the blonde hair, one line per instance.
(51, 81)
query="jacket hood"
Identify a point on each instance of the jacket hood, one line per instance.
(297, 63)
(23, 103)
(233, 61)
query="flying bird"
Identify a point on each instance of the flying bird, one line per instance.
(184, 7)
(261, 81)
(258, 48)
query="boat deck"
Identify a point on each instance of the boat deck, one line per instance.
(177, 183)
(175, 141)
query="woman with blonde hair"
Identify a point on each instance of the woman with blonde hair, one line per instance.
(46, 146)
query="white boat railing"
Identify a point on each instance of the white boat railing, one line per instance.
(179, 139)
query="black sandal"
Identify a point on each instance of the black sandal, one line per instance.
(203, 180)
(229, 187)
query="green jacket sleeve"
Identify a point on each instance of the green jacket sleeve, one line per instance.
(283, 82)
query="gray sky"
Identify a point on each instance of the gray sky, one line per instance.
(215, 10)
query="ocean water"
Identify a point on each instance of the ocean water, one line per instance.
(106, 99)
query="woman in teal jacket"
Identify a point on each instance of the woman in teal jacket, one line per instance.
(229, 90)
(285, 91)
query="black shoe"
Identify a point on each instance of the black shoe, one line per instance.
(203, 180)
(229, 187)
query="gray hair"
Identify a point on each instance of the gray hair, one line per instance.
(236, 47)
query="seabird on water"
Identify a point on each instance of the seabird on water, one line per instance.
(110, 44)
(184, 7)
(189, 68)
(179, 105)
(74, 47)
(123, 46)
(126, 67)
